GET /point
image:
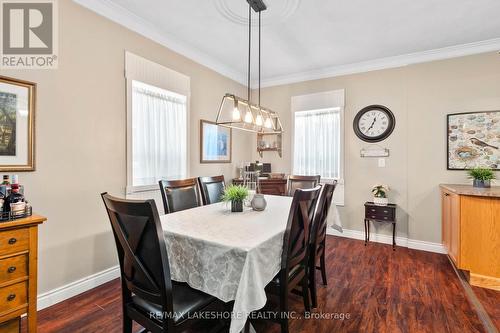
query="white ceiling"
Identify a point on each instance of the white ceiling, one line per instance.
(307, 39)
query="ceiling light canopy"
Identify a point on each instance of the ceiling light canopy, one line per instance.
(236, 112)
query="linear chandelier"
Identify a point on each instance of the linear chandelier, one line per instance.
(239, 113)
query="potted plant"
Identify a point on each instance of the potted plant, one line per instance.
(482, 177)
(235, 194)
(379, 192)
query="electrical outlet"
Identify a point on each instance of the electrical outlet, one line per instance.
(381, 162)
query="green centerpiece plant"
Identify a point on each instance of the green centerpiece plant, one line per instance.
(482, 177)
(235, 194)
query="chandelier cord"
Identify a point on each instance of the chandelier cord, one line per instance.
(249, 47)
(259, 53)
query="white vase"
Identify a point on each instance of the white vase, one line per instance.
(380, 201)
(259, 202)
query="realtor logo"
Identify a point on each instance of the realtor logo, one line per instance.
(29, 34)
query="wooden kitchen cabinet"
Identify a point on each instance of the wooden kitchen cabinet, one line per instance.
(451, 224)
(471, 231)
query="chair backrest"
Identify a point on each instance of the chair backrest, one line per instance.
(179, 194)
(142, 253)
(296, 238)
(211, 189)
(302, 182)
(318, 229)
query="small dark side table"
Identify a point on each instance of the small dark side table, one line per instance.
(385, 214)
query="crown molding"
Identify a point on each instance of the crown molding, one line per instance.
(131, 21)
(385, 63)
(141, 26)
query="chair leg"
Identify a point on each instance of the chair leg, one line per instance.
(127, 323)
(305, 293)
(284, 325)
(283, 309)
(323, 267)
(312, 285)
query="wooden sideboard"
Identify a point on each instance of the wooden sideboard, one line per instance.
(18, 271)
(269, 186)
(471, 231)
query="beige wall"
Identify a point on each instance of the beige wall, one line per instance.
(81, 138)
(420, 97)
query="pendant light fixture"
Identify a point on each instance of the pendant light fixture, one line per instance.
(239, 113)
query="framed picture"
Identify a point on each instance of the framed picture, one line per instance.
(215, 143)
(474, 140)
(17, 125)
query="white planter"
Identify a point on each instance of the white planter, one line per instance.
(380, 201)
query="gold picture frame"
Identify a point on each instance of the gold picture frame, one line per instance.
(216, 143)
(17, 125)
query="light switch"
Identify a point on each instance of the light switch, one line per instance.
(381, 162)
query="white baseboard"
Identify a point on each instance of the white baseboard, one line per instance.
(77, 287)
(387, 239)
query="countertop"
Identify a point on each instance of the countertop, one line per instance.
(493, 191)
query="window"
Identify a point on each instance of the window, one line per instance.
(157, 125)
(317, 143)
(159, 135)
(318, 138)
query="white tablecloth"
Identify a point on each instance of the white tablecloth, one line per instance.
(231, 256)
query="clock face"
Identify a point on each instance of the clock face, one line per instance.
(374, 123)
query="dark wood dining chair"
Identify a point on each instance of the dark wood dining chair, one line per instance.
(179, 195)
(303, 182)
(294, 259)
(149, 297)
(318, 239)
(211, 189)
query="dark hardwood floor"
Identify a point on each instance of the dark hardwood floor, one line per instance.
(490, 299)
(380, 290)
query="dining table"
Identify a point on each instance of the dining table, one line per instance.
(231, 256)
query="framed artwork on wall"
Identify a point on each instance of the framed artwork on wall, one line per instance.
(215, 143)
(473, 140)
(17, 125)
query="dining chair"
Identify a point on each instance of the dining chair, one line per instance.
(211, 189)
(318, 239)
(294, 259)
(302, 182)
(149, 296)
(179, 195)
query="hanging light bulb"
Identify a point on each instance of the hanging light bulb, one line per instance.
(258, 120)
(269, 123)
(236, 112)
(248, 117)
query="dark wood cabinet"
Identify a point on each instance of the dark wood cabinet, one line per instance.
(268, 186)
(376, 213)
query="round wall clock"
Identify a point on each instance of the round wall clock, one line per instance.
(374, 123)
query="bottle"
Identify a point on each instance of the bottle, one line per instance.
(15, 179)
(6, 180)
(14, 203)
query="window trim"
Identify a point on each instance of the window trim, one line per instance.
(151, 73)
(317, 101)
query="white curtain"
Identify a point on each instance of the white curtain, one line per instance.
(317, 148)
(159, 135)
